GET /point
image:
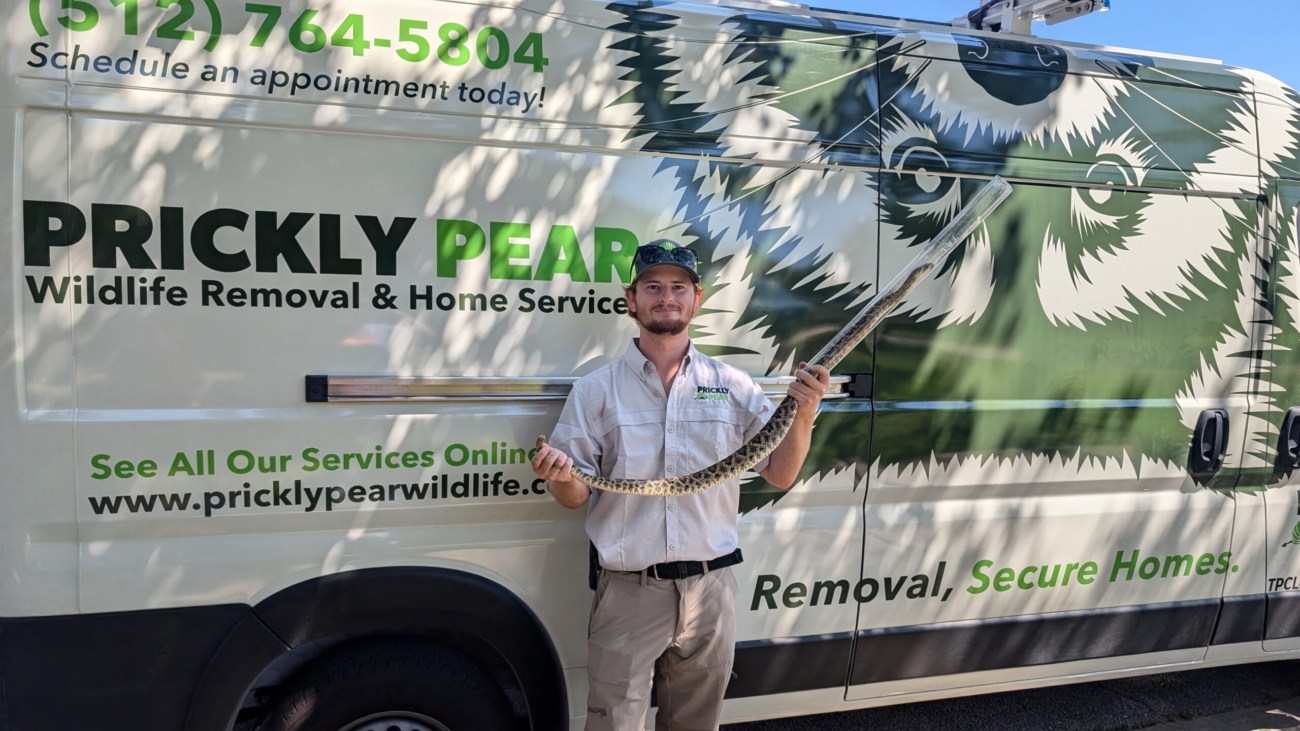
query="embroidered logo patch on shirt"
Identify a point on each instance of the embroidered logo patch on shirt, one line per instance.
(712, 393)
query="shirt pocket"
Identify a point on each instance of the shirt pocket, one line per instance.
(635, 440)
(718, 429)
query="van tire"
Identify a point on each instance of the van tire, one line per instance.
(370, 680)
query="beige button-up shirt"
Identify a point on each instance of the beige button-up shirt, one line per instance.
(618, 422)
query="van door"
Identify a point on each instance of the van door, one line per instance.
(1281, 409)
(1056, 441)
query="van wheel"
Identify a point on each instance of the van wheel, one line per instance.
(397, 685)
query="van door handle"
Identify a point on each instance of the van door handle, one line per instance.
(1288, 443)
(1209, 442)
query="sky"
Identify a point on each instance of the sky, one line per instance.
(1257, 34)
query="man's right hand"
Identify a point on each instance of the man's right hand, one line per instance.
(552, 465)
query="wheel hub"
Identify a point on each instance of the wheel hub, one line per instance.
(395, 721)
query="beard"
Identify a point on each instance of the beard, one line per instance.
(675, 326)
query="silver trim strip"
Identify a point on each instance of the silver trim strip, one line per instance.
(497, 388)
(776, 386)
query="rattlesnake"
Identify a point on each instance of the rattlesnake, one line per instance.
(766, 440)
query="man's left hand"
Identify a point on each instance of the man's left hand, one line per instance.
(809, 388)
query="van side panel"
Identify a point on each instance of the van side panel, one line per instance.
(1037, 401)
(1052, 479)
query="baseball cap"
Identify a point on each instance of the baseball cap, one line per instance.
(665, 251)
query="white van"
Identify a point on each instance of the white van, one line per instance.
(295, 287)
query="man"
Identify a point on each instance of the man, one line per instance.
(665, 598)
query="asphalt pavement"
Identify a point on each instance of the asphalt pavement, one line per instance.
(1238, 698)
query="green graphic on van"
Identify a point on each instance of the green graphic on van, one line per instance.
(1295, 536)
(1011, 354)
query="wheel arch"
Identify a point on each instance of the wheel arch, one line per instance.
(377, 601)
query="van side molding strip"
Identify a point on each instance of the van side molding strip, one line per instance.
(902, 653)
(884, 654)
(331, 389)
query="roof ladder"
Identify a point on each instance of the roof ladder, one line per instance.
(1017, 16)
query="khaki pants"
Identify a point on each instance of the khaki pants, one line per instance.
(681, 631)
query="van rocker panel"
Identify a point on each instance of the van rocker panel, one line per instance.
(900, 653)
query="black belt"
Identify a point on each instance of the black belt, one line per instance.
(687, 569)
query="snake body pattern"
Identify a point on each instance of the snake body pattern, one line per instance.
(881, 306)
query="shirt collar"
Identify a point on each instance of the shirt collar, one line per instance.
(641, 366)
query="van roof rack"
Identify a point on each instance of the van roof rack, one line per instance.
(1017, 16)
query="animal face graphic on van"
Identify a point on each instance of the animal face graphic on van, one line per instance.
(1113, 298)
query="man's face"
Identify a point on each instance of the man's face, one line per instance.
(664, 300)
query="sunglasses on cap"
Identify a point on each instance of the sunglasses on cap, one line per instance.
(665, 251)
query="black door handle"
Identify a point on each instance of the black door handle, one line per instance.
(1288, 443)
(1209, 443)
